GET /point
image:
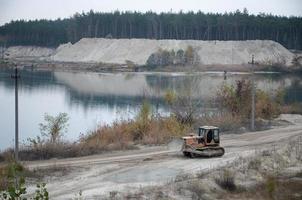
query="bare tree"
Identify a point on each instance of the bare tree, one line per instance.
(185, 106)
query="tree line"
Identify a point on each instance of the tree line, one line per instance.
(164, 57)
(238, 25)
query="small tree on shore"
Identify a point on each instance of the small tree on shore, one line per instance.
(189, 55)
(180, 57)
(143, 118)
(184, 106)
(54, 127)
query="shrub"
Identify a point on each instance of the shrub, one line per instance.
(12, 175)
(142, 123)
(145, 129)
(254, 164)
(237, 100)
(163, 130)
(266, 108)
(54, 127)
(224, 120)
(226, 180)
(124, 134)
(185, 107)
(49, 144)
(196, 187)
(270, 186)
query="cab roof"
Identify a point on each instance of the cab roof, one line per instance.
(209, 127)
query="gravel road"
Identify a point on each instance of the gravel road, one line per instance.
(99, 174)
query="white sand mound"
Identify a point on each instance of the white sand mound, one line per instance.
(28, 52)
(138, 50)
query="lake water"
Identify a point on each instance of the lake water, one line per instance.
(91, 99)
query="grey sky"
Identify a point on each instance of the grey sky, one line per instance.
(52, 9)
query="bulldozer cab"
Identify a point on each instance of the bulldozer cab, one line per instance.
(209, 135)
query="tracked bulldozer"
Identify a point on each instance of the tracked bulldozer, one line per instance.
(205, 144)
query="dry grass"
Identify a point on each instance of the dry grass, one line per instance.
(225, 121)
(294, 108)
(114, 137)
(121, 135)
(273, 188)
(3, 177)
(124, 135)
(144, 129)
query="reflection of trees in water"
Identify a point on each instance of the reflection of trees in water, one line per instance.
(30, 79)
(111, 101)
(160, 84)
(293, 93)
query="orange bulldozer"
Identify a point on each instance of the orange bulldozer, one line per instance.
(205, 144)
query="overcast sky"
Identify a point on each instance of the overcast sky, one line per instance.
(53, 9)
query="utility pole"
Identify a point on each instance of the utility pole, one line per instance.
(16, 76)
(253, 97)
(2, 52)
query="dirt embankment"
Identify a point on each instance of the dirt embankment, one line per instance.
(121, 51)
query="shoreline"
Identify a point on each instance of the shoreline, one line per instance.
(109, 67)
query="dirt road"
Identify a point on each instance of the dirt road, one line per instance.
(99, 174)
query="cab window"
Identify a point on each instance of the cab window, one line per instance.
(216, 135)
(201, 132)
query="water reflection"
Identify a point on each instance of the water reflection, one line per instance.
(93, 98)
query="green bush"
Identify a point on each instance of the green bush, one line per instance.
(12, 174)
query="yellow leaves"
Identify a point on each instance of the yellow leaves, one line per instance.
(170, 97)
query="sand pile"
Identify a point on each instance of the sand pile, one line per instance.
(138, 51)
(28, 52)
(118, 51)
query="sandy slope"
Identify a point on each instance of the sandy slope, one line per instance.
(28, 52)
(138, 51)
(95, 175)
(118, 51)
